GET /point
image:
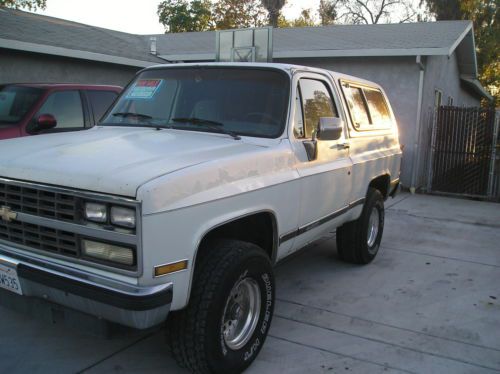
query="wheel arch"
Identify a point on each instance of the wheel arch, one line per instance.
(381, 183)
(270, 236)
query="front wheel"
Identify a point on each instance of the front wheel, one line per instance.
(358, 241)
(226, 322)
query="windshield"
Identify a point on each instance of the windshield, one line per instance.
(16, 101)
(237, 101)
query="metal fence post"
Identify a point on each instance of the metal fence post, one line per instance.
(491, 177)
(432, 148)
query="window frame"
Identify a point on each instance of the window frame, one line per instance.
(299, 92)
(371, 126)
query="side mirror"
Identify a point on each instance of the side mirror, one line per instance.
(44, 122)
(330, 128)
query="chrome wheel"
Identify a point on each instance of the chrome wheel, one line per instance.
(373, 227)
(241, 313)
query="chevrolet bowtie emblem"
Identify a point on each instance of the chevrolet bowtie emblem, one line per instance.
(6, 214)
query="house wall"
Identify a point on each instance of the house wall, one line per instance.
(30, 68)
(441, 73)
(399, 77)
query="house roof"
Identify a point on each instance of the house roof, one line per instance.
(35, 33)
(424, 38)
(41, 34)
(401, 39)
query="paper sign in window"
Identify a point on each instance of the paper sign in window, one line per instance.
(144, 89)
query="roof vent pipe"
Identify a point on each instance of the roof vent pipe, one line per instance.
(152, 45)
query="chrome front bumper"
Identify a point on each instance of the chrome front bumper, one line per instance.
(134, 306)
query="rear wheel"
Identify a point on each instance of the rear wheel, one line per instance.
(359, 241)
(226, 322)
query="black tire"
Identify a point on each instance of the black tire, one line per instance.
(195, 334)
(352, 237)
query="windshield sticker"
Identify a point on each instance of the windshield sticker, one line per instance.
(144, 89)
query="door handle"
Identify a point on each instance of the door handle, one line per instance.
(343, 146)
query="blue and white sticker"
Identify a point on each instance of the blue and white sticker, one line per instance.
(144, 89)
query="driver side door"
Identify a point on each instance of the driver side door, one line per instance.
(325, 180)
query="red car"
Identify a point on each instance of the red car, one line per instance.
(30, 109)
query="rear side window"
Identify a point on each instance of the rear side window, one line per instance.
(101, 101)
(378, 108)
(357, 107)
(367, 107)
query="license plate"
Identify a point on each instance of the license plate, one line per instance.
(9, 279)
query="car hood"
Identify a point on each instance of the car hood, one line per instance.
(113, 160)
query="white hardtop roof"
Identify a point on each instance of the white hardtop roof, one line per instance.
(288, 68)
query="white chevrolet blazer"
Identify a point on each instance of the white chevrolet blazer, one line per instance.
(194, 184)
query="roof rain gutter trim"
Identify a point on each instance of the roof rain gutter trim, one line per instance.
(72, 53)
(189, 57)
(361, 52)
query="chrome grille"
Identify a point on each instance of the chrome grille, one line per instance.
(39, 202)
(39, 237)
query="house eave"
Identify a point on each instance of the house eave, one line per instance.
(72, 53)
(475, 86)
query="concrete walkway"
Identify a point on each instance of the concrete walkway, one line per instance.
(429, 303)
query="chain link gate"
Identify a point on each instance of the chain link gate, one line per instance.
(463, 159)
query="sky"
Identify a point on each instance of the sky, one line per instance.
(133, 16)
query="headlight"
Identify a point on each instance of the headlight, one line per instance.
(108, 252)
(96, 212)
(124, 217)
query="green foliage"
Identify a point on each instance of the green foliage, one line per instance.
(202, 15)
(273, 8)
(486, 18)
(24, 4)
(305, 19)
(185, 15)
(231, 14)
(328, 11)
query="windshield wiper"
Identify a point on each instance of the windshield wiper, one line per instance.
(212, 125)
(196, 120)
(132, 114)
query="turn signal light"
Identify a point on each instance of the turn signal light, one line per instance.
(161, 270)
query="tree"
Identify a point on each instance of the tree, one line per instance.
(24, 4)
(486, 19)
(185, 15)
(328, 11)
(273, 9)
(231, 14)
(305, 19)
(376, 11)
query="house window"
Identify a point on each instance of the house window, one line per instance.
(450, 100)
(438, 97)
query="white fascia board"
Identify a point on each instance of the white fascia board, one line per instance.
(189, 57)
(361, 52)
(73, 53)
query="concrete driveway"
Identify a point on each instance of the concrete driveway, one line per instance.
(429, 303)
